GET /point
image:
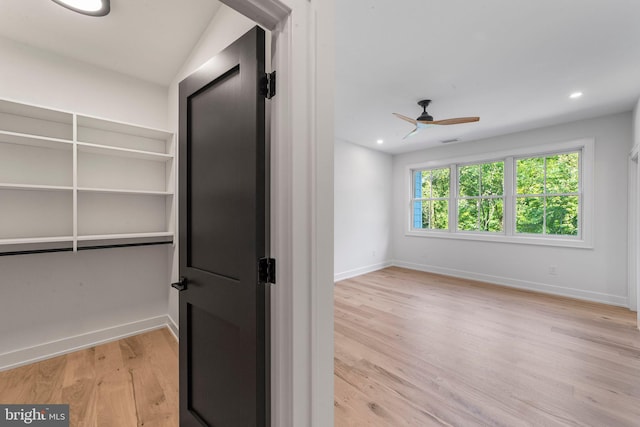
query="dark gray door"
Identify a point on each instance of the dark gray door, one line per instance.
(224, 308)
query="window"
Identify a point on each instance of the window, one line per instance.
(480, 197)
(522, 196)
(431, 199)
(548, 197)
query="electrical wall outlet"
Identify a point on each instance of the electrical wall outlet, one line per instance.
(553, 270)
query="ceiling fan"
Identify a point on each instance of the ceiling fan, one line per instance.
(425, 120)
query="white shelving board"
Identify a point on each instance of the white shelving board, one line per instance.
(35, 141)
(120, 191)
(23, 241)
(8, 186)
(33, 120)
(124, 236)
(123, 152)
(67, 178)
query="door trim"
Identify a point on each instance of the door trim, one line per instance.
(633, 280)
(268, 13)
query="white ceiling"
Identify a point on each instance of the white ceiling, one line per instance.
(513, 63)
(148, 39)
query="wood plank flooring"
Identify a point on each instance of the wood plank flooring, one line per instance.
(127, 383)
(412, 349)
(418, 349)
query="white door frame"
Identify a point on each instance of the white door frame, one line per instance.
(301, 207)
(634, 232)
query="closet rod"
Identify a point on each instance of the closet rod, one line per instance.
(36, 251)
(124, 245)
(84, 248)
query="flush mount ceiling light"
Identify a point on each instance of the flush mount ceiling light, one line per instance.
(380, 141)
(575, 95)
(87, 7)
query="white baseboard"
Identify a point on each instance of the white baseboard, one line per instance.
(520, 284)
(44, 351)
(173, 327)
(362, 270)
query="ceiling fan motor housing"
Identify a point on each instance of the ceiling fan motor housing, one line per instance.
(424, 117)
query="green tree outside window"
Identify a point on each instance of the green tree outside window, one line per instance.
(431, 199)
(547, 199)
(481, 197)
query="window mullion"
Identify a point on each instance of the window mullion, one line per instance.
(581, 194)
(479, 200)
(544, 197)
(453, 198)
(509, 194)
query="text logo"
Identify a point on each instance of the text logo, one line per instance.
(34, 415)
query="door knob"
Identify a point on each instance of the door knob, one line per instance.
(181, 284)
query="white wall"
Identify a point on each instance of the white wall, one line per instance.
(226, 26)
(50, 302)
(362, 229)
(598, 274)
(60, 298)
(38, 77)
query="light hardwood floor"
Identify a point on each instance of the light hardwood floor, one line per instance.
(412, 349)
(420, 349)
(127, 383)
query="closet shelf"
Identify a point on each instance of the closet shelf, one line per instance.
(123, 128)
(30, 240)
(123, 152)
(36, 187)
(34, 112)
(91, 183)
(124, 236)
(9, 186)
(69, 239)
(7, 137)
(122, 191)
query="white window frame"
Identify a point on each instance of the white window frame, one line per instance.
(448, 199)
(456, 196)
(545, 195)
(586, 146)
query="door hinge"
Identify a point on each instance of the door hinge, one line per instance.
(268, 86)
(267, 270)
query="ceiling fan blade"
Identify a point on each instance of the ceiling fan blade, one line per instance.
(405, 118)
(455, 121)
(413, 132)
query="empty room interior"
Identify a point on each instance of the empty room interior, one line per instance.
(464, 295)
(486, 236)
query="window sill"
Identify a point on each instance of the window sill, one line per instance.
(501, 238)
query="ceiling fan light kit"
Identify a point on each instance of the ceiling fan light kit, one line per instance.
(87, 7)
(425, 120)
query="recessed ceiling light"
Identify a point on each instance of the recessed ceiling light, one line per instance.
(87, 7)
(575, 95)
(380, 141)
